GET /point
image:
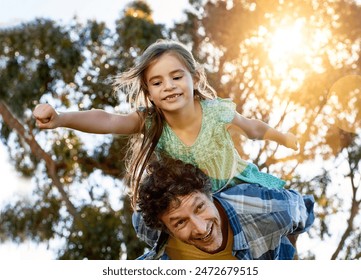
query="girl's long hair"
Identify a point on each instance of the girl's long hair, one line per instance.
(133, 84)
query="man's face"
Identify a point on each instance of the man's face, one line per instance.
(196, 221)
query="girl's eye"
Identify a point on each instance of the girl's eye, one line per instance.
(155, 83)
(177, 77)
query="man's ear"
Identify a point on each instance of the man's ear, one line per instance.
(162, 227)
(165, 229)
(169, 232)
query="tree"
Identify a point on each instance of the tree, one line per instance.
(70, 67)
(293, 64)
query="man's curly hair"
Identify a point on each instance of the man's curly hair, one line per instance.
(165, 182)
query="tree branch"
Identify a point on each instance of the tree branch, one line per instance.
(40, 154)
(355, 206)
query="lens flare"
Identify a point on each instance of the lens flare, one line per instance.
(344, 103)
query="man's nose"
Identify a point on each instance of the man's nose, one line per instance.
(199, 226)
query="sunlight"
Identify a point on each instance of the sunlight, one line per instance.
(286, 42)
(288, 48)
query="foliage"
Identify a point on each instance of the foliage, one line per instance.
(69, 67)
(293, 64)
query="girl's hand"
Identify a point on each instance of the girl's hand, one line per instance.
(46, 116)
(291, 141)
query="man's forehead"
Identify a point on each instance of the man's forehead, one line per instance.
(191, 198)
(183, 203)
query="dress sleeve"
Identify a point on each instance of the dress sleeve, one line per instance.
(223, 110)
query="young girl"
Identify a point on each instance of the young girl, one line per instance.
(175, 113)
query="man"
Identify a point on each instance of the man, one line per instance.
(242, 222)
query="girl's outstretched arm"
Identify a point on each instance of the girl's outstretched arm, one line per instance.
(92, 121)
(256, 129)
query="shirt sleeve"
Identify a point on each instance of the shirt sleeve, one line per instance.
(144, 233)
(307, 216)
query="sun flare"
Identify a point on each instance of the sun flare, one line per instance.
(287, 49)
(287, 42)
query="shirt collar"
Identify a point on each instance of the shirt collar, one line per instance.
(239, 238)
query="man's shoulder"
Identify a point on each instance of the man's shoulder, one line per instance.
(255, 199)
(251, 190)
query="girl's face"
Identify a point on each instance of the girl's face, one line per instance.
(170, 84)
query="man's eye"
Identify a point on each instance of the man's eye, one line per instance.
(200, 206)
(180, 224)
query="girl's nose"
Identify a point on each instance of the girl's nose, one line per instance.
(169, 85)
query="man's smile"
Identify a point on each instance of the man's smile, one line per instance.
(207, 236)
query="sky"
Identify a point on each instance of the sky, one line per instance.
(14, 12)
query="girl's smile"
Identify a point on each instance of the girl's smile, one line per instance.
(172, 97)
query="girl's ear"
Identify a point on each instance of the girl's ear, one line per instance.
(195, 80)
(147, 95)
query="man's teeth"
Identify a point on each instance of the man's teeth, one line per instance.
(172, 96)
(208, 234)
